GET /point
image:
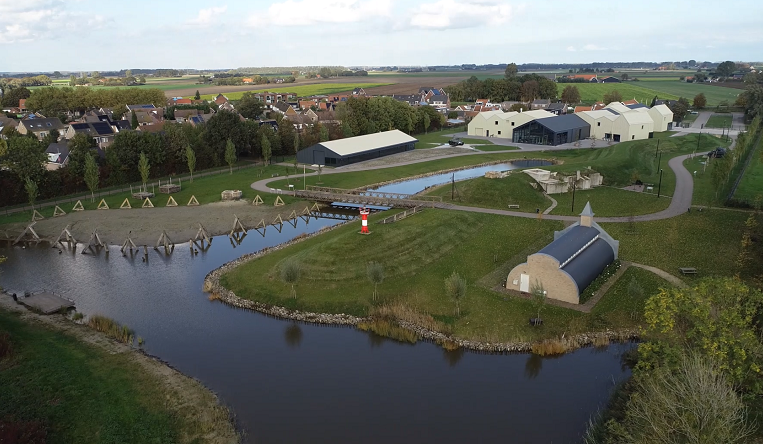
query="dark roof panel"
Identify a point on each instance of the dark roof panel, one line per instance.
(590, 263)
(637, 105)
(571, 242)
(562, 123)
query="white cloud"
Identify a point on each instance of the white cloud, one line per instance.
(41, 19)
(453, 14)
(591, 47)
(207, 16)
(310, 12)
(571, 49)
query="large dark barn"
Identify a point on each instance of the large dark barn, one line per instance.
(356, 149)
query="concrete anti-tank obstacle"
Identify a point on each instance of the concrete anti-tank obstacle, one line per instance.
(171, 202)
(102, 205)
(165, 240)
(58, 211)
(257, 200)
(125, 204)
(192, 202)
(78, 206)
(147, 203)
(278, 202)
(237, 226)
(30, 230)
(37, 216)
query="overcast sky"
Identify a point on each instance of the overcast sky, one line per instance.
(47, 35)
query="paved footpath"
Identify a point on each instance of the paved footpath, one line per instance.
(679, 204)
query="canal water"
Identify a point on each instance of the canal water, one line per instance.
(417, 185)
(290, 382)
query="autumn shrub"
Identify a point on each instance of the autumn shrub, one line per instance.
(111, 328)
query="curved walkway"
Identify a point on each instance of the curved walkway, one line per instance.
(554, 203)
(679, 204)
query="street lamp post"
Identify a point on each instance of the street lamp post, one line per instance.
(658, 148)
(574, 186)
(659, 187)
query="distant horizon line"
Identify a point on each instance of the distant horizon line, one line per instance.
(455, 67)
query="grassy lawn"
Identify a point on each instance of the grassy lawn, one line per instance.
(606, 201)
(206, 189)
(704, 191)
(690, 118)
(437, 137)
(301, 91)
(620, 306)
(516, 190)
(495, 147)
(719, 121)
(593, 92)
(495, 193)
(751, 185)
(708, 241)
(713, 94)
(79, 393)
(417, 253)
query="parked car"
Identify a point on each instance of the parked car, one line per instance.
(718, 152)
(455, 142)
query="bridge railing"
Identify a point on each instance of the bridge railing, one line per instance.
(372, 193)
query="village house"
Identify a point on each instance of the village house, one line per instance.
(40, 127)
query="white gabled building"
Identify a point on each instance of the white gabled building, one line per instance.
(501, 124)
(662, 117)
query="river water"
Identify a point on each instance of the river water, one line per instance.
(289, 382)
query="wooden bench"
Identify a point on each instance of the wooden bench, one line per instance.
(687, 270)
(514, 206)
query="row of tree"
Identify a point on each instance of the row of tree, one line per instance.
(525, 88)
(361, 116)
(55, 101)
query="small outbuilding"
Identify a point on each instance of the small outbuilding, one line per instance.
(553, 131)
(566, 266)
(357, 149)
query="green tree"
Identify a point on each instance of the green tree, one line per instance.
(144, 168)
(700, 101)
(266, 150)
(190, 158)
(613, 96)
(92, 175)
(134, 121)
(692, 404)
(346, 129)
(427, 122)
(31, 190)
(324, 133)
(726, 69)
(197, 96)
(25, 157)
(290, 271)
(571, 95)
(455, 287)
(72, 80)
(375, 272)
(511, 71)
(716, 318)
(11, 98)
(679, 108)
(230, 154)
(3, 149)
(250, 106)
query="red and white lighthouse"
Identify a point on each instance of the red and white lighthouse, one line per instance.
(364, 212)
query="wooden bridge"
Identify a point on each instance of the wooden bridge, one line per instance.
(367, 197)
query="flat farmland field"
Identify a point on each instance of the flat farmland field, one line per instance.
(714, 94)
(300, 90)
(592, 92)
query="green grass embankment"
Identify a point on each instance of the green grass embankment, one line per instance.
(206, 189)
(418, 253)
(59, 388)
(719, 121)
(620, 165)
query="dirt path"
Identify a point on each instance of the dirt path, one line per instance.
(145, 225)
(186, 397)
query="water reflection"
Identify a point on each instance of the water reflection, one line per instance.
(293, 335)
(453, 357)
